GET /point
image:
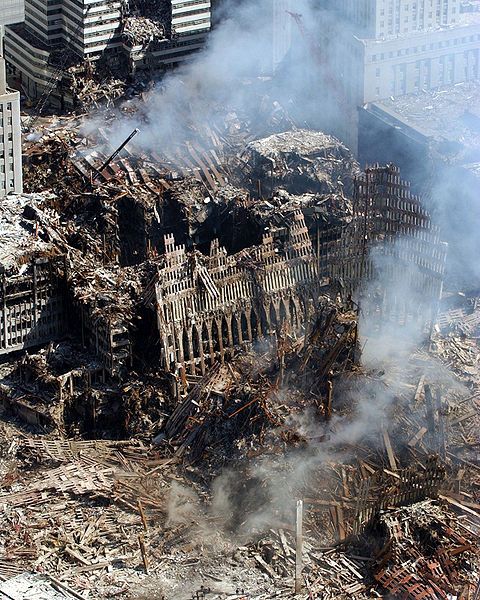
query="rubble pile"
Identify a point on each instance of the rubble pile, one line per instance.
(427, 549)
(28, 228)
(142, 31)
(222, 405)
(208, 505)
(205, 215)
(302, 161)
(322, 211)
(92, 89)
(107, 300)
(37, 387)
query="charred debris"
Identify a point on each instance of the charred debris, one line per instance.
(183, 358)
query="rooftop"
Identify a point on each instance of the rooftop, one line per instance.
(449, 116)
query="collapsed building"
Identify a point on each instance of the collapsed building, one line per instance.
(202, 314)
(33, 276)
(208, 267)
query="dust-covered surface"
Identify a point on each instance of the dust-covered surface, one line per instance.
(122, 479)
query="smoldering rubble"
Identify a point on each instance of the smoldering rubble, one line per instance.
(196, 337)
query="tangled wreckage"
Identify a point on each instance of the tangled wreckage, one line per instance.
(186, 342)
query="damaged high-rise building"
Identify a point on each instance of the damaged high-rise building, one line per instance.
(64, 40)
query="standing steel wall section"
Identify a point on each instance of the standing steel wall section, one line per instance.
(32, 307)
(391, 226)
(207, 306)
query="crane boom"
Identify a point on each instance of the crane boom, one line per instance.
(114, 154)
(318, 57)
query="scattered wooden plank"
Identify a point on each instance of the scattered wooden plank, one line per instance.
(265, 567)
(417, 437)
(389, 449)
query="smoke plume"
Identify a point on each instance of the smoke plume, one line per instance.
(236, 71)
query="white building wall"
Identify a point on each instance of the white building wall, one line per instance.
(11, 180)
(91, 27)
(387, 18)
(191, 16)
(10, 138)
(425, 61)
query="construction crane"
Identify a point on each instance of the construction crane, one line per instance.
(52, 82)
(318, 57)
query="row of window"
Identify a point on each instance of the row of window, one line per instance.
(443, 72)
(188, 13)
(26, 61)
(176, 5)
(425, 47)
(190, 23)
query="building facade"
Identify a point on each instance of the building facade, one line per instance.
(35, 49)
(10, 138)
(383, 18)
(188, 26)
(13, 11)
